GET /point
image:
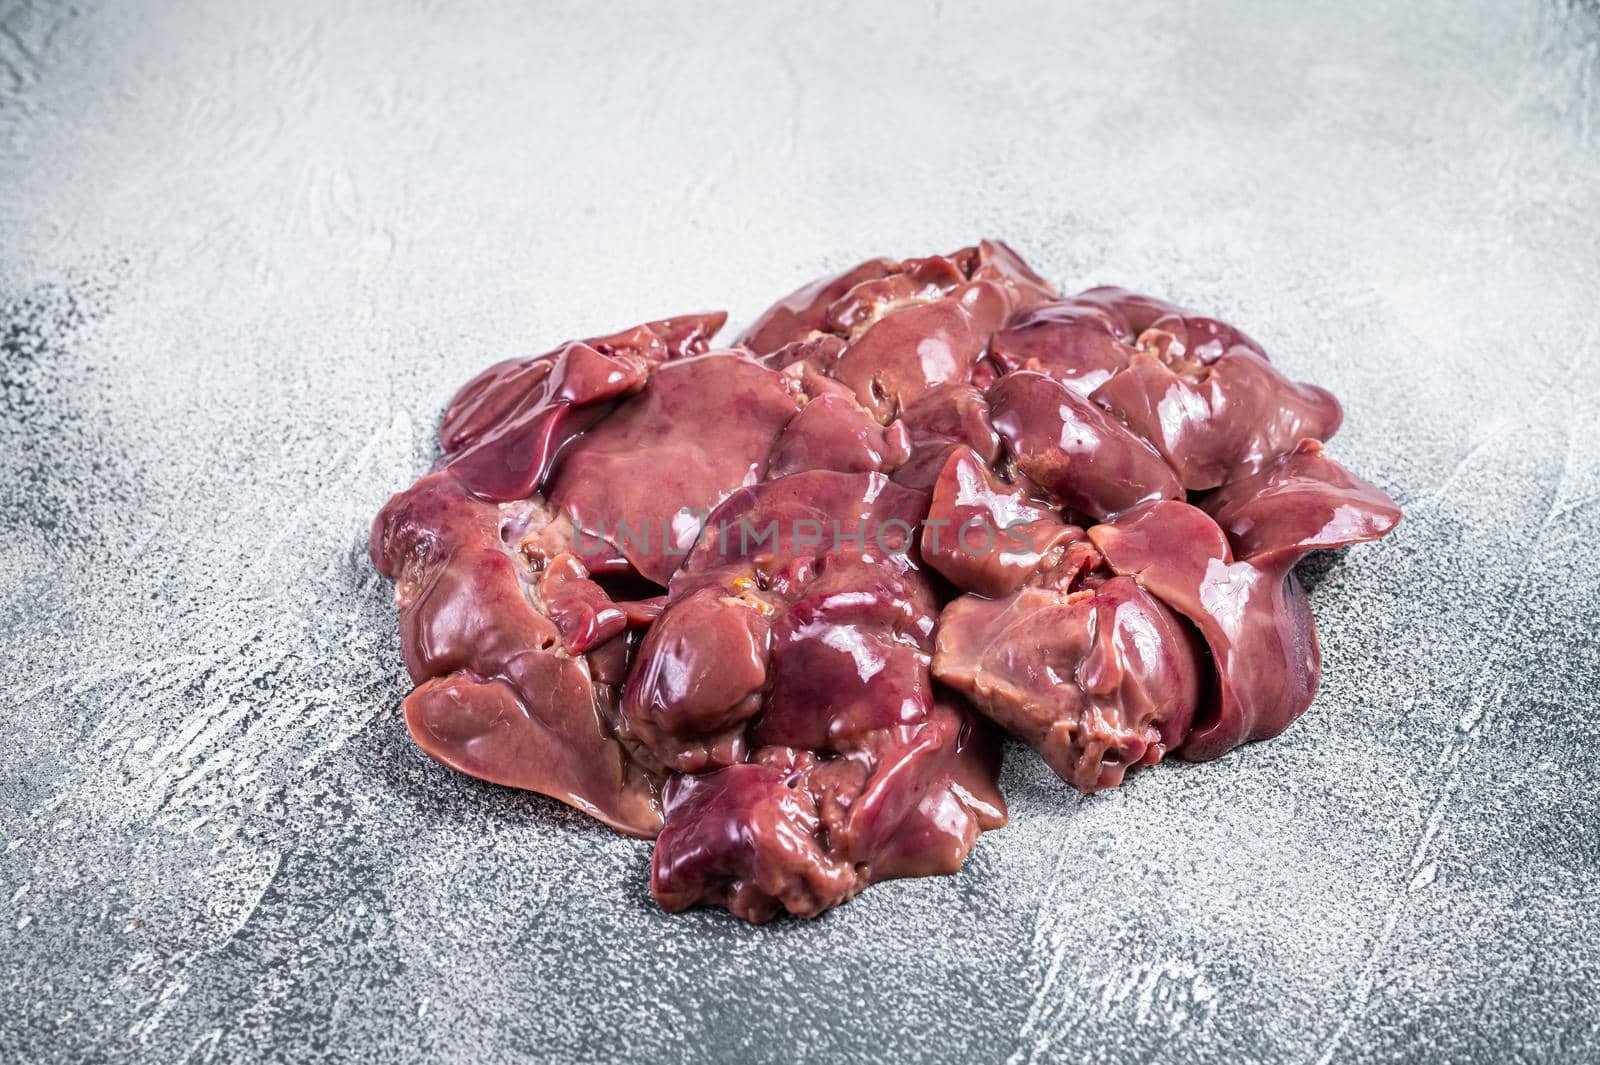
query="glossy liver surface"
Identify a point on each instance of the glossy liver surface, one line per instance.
(773, 604)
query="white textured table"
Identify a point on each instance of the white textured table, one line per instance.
(249, 250)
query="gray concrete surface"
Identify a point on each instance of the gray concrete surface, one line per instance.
(247, 251)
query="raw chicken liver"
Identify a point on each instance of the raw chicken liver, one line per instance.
(773, 605)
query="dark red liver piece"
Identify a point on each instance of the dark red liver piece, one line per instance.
(644, 479)
(1253, 614)
(772, 604)
(815, 624)
(1076, 452)
(1077, 342)
(987, 536)
(504, 428)
(1301, 501)
(805, 311)
(1097, 679)
(1213, 421)
(498, 695)
(1255, 620)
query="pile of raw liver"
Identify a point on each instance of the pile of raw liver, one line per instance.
(768, 603)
